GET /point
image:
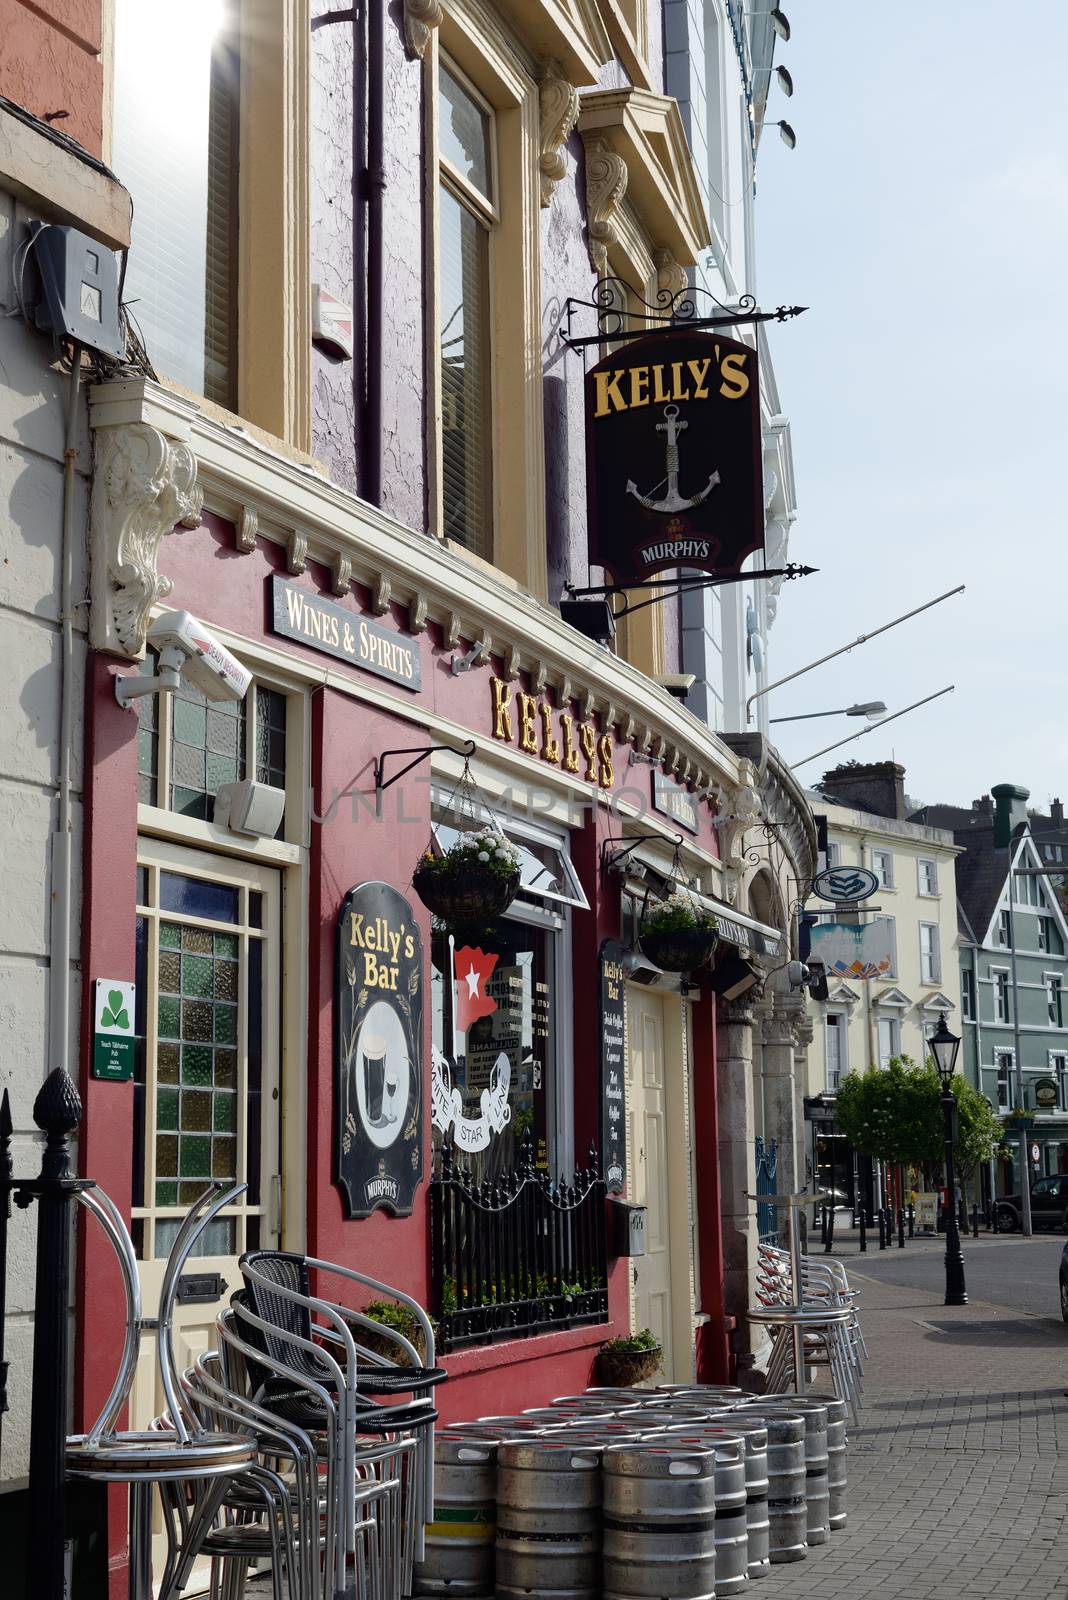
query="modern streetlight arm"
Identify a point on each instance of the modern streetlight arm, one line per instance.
(844, 649)
(877, 725)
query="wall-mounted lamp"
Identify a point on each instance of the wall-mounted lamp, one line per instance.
(786, 133)
(639, 758)
(779, 21)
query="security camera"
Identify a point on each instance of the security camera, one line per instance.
(184, 644)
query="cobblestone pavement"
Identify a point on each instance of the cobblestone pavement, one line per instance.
(959, 1470)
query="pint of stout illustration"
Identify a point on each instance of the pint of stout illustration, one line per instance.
(373, 1050)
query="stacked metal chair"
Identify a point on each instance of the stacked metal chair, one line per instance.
(308, 1368)
(821, 1310)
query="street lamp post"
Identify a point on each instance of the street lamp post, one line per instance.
(944, 1048)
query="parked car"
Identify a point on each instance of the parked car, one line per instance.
(1064, 1283)
(1049, 1206)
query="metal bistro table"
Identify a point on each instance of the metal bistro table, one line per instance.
(794, 1203)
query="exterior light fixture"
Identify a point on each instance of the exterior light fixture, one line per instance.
(786, 82)
(781, 23)
(871, 709)
(786, 134)
(944, 1046)
(642, 757)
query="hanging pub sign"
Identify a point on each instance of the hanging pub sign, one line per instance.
(613, 1068)
(378, 1062)
(673, 456)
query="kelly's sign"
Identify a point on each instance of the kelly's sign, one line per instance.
(530, 723)
(334, 629)
(378, 1067)
(673, 456)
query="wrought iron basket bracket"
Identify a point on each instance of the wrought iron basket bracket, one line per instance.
(420, 753)
(615, 860)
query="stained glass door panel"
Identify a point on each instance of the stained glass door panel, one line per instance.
(208, 1080)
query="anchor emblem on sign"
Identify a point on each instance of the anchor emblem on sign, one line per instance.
(673, 500)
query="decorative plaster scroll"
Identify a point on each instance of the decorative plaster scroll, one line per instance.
(297, 553)
(659, 746)
(565, 694)
(451, 636)
(143, 485)
(671, 279)
(606, 184)
(609, 716)
(246, 530)
(380, 595)
(586, 704)
(511, 664)
(539, 678)
(417, 614)
(421, 17)
(630, 730)
(558, 106)
(342, 574)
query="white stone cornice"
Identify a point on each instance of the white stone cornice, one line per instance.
(436, 583)
(421, 17)
(558, 107)
(144, 484)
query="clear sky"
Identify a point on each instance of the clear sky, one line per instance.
(923, 218)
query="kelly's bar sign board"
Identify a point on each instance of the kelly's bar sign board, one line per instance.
(299, 614)
(613, 1068)
(673, 456)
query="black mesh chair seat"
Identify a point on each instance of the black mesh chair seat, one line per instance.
(398, 1380)
(294, 1404)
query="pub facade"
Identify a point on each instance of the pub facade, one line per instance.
(347, 449)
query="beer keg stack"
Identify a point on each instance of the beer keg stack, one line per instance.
(681, 1492)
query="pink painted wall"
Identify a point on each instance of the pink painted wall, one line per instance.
(50, 61)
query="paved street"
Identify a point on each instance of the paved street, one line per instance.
(958, 1485)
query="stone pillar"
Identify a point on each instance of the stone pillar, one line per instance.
(780, 1092)
(737, 1166)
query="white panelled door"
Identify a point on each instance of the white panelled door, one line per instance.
(648, 1158)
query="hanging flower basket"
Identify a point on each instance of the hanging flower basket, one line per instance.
(624, 1362)
(475, 880)
(678, 935)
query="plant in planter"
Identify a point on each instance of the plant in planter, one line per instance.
(677, 934)
(474, 880)
(401, 1320)
(626, 1361)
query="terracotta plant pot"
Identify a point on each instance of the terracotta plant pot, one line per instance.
(621, 1369)
(469, 892)
(678, 949)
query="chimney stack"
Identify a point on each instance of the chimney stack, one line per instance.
(984, 804)
(878, 787)
(1010, 811)
(1056, 813)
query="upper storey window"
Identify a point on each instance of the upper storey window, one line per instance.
(467, 220)
(176, 150)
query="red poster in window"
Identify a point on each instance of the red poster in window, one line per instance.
(473, 969)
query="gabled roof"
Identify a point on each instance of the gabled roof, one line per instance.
(897, 999)
(939, 1002)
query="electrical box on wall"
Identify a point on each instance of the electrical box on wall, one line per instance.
(80, 278)
(628, 1227)
(331, 323)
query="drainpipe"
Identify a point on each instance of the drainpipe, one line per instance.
(373, 190)
(59, 921)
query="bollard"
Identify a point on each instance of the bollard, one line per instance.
(975, 1221)
(996, 1220)
(882, 1228)
(912, 1220)
(829, 1244)
(863, 1231)
(901, 1227)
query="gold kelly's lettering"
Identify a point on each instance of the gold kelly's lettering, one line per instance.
(536, 737)
(629, 388)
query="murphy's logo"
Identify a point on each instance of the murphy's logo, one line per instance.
(673, 456)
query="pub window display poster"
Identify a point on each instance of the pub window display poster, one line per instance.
(378, 1157)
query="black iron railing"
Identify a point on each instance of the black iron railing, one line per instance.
(517, 1256)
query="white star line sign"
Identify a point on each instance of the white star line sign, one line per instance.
(471, 977)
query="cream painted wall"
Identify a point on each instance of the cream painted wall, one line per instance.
(859, 835)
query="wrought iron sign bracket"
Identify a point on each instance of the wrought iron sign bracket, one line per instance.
(420, 753)
(667, 588)
(613, 296)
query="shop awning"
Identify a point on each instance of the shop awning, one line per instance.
(735, 928)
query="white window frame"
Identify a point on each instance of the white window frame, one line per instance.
(882, 864)
(1058, 1068)
(930, 892)
(840, 1018)
(968, 1006)
(1044, 933)
(934, 955)
(892, 1023)
(1004, 1104)
(1004, 928)
(834, 853)
(1054, 981)
(996, 974)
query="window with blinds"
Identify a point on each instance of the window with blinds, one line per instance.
(179, 160)
(466, 220)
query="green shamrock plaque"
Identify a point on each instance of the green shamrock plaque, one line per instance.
(113, 1029)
